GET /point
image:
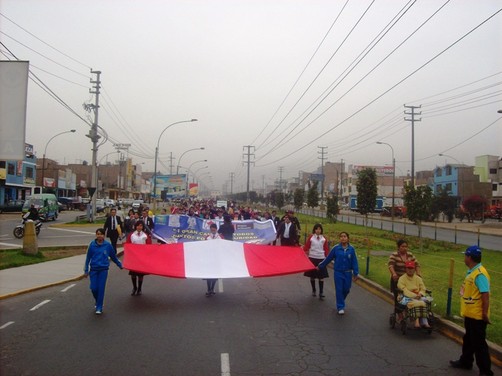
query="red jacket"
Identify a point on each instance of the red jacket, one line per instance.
(306, 246)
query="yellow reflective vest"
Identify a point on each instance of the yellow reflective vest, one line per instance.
(470, 302)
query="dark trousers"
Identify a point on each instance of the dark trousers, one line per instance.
(113, 235)
(474, 344)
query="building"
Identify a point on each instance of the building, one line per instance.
(459, 180)
(489, 170)
(17, 178)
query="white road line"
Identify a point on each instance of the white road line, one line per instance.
(6, 324)
(220, 285)
(70, 230)
(10, 245)
(40, 305)
(225, 364)
(67, 288)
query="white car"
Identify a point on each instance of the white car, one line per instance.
(109, 202)
(136, 204)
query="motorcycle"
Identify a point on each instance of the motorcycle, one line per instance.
(19, 229)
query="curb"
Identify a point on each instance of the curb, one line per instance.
(445, 327)
(36, 288)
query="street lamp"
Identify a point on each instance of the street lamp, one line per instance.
(45, 151)
(188, 172)
(156, 157)
(179, 159)
(393, 176)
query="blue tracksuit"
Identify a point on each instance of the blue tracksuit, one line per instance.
(345, 265)
(98, 257)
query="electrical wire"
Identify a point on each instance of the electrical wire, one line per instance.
(388, 90)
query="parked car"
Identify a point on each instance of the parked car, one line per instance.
(399, 211)
(136, 204)
(110, 202)
(12, 206)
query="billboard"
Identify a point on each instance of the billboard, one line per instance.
(170, 186)
(13, 91)
(380, 170)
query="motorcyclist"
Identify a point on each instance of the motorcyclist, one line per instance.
(32, 214)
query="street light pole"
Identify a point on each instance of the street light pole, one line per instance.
(157, 156)
(179, 159)
(393, 176)
(45, 151)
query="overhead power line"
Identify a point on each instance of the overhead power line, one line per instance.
(386, 91)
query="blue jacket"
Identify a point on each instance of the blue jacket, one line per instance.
(345, 260)
(98, 256)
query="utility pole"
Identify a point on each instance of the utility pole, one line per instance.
(248, 162)
(322, 152)
(413, 120)
(281, 169)
(121, 181)
(263, 184)
(93, 135)
(171, 159)
(340, 194)
(232, 176)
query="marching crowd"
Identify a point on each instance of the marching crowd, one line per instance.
(405, 271)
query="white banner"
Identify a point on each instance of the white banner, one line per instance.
(13, 96)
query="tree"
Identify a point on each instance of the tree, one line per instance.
(444, 203)
(475, 206)
(418, 202)
(298, 198)
(313, 195)
(366, 191)
(332, 208)
(279, 199)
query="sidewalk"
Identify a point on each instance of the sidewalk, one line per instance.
(15, 281)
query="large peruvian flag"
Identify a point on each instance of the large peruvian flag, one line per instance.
(215, 259)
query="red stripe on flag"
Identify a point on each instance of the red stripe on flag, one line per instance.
(161, 259)
(269, 260)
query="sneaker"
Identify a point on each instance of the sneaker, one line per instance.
(459, 364)
(341, 312)
(98, 312)
(321, 297)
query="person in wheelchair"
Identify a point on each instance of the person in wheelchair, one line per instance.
(413, 293)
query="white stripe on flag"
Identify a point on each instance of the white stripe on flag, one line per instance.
(215, 259)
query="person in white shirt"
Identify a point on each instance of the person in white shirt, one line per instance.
(316, 248)
(211, 236)
(138, 237)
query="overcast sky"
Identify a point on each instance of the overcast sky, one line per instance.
(283, 76)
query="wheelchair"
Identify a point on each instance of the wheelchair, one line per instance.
(404, 315)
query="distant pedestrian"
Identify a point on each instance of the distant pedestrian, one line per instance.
(113, 228)
(97, 263)
(287, 232)
(475, 308)
(346, 269)
(211, 282)
(316, 248)
(226, 229)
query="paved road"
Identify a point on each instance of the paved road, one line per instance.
(268, 326)
(50, 235)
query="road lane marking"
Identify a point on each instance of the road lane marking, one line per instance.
(10, 245)
(225, 364)
(220, 285)
(6, 325)
(40, 305)
(67, 288)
